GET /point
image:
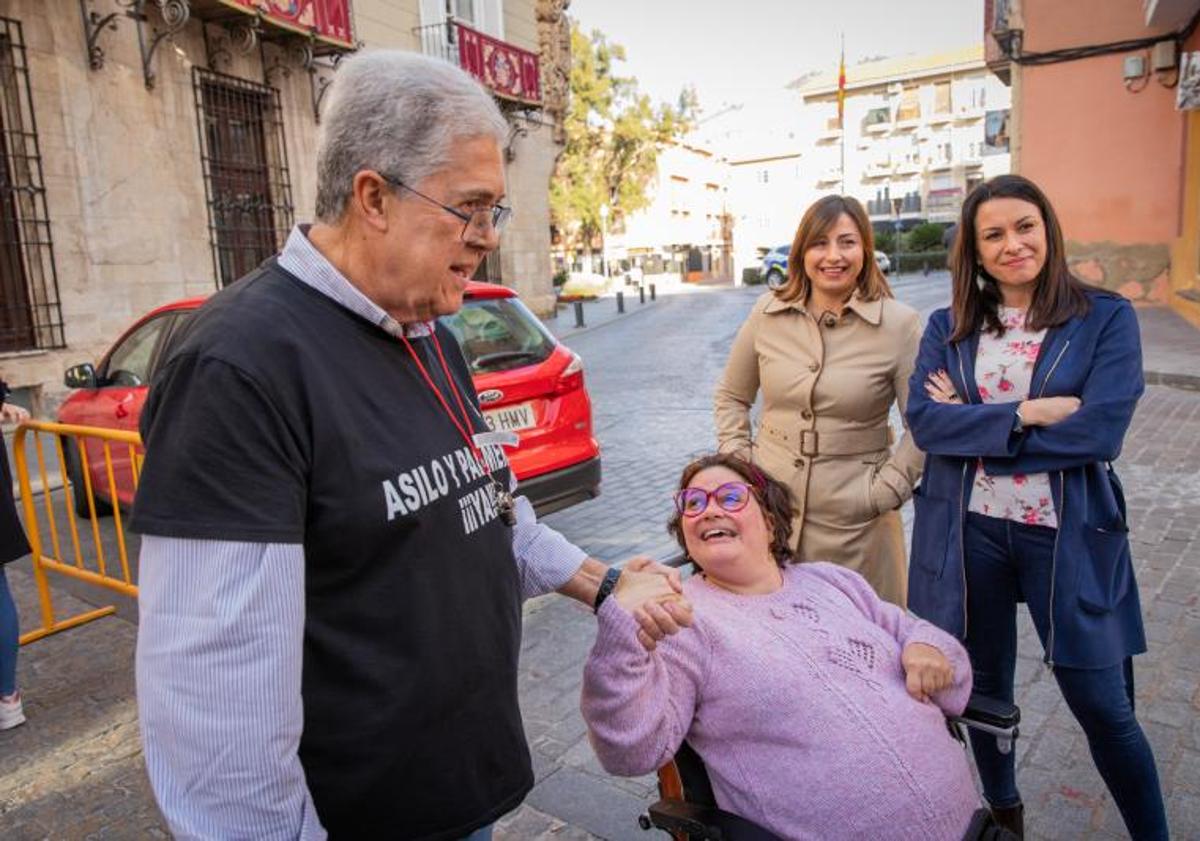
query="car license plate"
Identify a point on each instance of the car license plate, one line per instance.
(510, 418)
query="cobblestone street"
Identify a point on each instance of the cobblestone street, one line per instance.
(75, 770)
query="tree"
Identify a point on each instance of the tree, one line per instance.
(614, 135)
(926, 237)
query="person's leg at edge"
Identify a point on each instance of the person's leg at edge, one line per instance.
(992, 593)
(481, 834)
(8, 639)
(1101, 700)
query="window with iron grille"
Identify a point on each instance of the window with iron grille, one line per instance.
(30, 315)
(246, 179)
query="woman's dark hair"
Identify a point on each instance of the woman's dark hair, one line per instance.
(816, 222)
(1057, 295)
(774, 498)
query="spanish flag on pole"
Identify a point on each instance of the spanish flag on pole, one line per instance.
(842, 87)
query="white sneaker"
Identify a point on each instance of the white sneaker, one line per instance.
(11, 712)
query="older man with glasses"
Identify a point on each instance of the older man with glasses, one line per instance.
(327, 644)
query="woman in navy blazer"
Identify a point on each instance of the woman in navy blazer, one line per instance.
(1021, 396)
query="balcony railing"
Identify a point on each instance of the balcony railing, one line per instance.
(832, 129)
(508, 71)
(877, 120)
(886, 206)
(328, 22)
(908, 116)
(944, 204)
(879, 168)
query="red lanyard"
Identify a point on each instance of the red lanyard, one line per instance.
(466, 419)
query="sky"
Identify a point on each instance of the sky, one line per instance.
(745, 51)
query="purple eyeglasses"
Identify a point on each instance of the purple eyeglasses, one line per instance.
(731, 497)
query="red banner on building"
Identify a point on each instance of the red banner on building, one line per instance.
(326, 20)
(509, 71)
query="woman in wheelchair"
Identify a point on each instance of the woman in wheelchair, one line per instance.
(818, 708)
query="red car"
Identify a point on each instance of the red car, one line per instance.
(527, 381)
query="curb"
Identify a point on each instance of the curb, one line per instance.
(575, 331)
(1184, 382)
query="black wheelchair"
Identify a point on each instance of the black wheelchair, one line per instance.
(687, 809)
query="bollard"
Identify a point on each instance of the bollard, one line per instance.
(652, 292)
(642, 294)
(579, 314)
(620, 302)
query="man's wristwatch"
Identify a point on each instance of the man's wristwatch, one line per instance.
(607, 585)
(1018, 422)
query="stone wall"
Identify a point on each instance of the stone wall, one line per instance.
(124, 187)
(1139, 272)
(525, 248)
(125, 190)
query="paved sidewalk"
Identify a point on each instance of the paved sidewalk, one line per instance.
(1170, 348)
(76, 770)
(1064, 795)
(604, 309)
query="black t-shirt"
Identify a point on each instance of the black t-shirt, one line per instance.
(282, 417)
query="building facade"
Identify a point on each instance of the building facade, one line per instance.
(159, 149)
(685, 227)
(769, 193)
(916, 135)
(1106, 118)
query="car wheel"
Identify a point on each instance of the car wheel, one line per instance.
(78, 488)
(775, 279)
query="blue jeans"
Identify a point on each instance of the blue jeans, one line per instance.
(8, 638)
(481, 834)
(1007, 562)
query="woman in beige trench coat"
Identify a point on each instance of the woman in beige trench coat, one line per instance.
(830, 351)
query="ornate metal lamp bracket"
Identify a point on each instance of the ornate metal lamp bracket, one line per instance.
(175, 15)
(318, 84)
(93, 24)
(515, 130)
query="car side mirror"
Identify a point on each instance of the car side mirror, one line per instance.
(81, 376)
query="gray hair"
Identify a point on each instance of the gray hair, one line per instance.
(398, 113)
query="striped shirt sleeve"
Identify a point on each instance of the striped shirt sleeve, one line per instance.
(219, 659)
(219, 656)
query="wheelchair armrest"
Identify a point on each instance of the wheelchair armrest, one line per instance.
(988, 711)
(704, 822)
(990, 716)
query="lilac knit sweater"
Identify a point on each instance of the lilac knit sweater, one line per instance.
(796, 702)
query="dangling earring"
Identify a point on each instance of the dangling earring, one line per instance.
(980, 283)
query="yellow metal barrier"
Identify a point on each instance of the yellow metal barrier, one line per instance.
(80, 451)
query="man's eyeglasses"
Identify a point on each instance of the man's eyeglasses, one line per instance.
(479, 222)
(732, 497)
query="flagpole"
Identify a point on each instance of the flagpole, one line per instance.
(842, 109)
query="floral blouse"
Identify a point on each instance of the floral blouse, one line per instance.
(1003, 372)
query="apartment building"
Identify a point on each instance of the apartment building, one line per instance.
(762, 152)
(159, 149)
(685, 227)
(917, 134)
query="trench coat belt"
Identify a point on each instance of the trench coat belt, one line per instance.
(834, 442)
